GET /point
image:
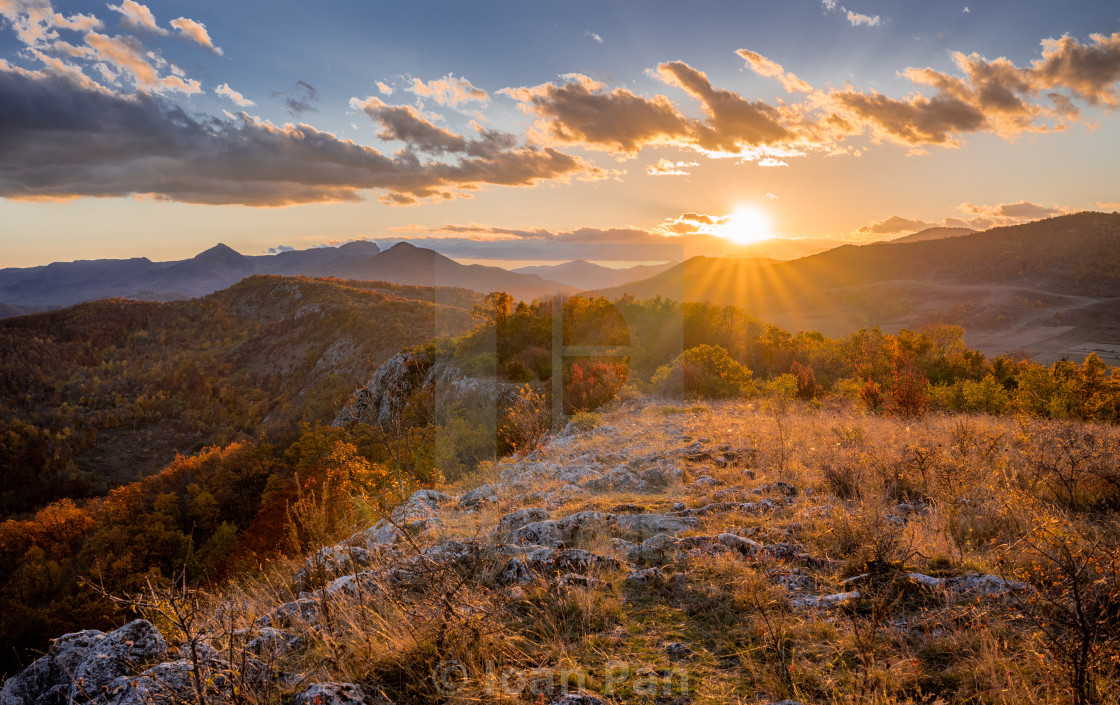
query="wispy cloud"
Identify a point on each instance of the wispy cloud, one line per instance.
(665, 167)
(854, 18)
(138, 17)
(226, 92)
(857, 19)
(593, 37)
(449, 91)
(196, 32)
(299, 99)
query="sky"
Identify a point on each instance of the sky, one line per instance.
(523, 132)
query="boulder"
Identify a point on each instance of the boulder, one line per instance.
(516, 520)
(305, 609)
(120, 653)
(479, 496)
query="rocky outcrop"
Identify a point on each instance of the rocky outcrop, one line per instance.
(81, 667)
(406, 376)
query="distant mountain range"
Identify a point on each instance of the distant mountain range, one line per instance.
(66, 283)
(582, 274)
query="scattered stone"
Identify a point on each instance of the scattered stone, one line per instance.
(703, 482)
(479, 496)
(578, 699)
(577, 580)
(515, 572)
(379, 535)
(660, 548)
(628, 508)
(618, 479)
(305, 609)
(678, 507)
(271, 642)
(661, 476)
(339, 694)
(824, 601)
(540, 533)
(645, 576)
(516, 520)
(678, 651)
(644, 525)
(984, 585)
(745, 546)
(366, 582)
(330, 562)
(786, 488)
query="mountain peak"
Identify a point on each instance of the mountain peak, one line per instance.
(402, 246)
(360, 248)
(219, 253)
(220, 249)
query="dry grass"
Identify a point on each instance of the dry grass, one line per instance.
(876, 497)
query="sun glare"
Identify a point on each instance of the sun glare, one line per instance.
(746, 226)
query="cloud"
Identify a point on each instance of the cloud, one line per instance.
(226, 92)
(854, 18)
(196, 32)
(138, 17)
(665, 167)
(128, 54)
(1088, 71)
(892, 225)
(765, 67)
(582, 111)
(770, 197)
(915, 120)
(404, 123)
(280, 248)
(65, 140)
(384, 88)
(1015, 211)
(593, 37)
(299, 99)
(449, 91)
(857, 19)
(733, 121)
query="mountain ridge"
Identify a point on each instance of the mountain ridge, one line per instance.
(60, 284)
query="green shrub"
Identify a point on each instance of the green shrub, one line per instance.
(703, 371)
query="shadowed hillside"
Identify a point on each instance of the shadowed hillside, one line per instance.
(109, 391)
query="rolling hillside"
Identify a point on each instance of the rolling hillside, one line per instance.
(1026, 287)
(105, 392)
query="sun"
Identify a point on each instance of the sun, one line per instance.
(746, 226)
